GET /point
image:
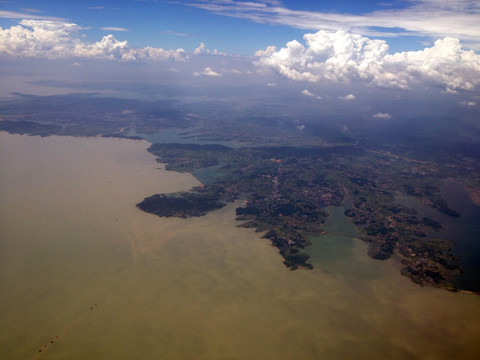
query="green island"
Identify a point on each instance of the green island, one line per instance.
(282, 177)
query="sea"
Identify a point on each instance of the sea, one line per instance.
(84, 274)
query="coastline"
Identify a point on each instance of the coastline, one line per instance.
(202, 288)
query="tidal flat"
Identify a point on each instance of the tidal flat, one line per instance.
(196, 288)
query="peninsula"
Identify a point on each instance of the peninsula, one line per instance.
(288, 188)
(284, 174)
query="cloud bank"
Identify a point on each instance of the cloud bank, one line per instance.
(340, 56)
(54, 39)
(345, 57)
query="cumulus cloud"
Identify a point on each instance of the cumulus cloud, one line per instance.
(338, 56)
(308, 93)
(202, 49)
(55, 39)
(270, 50)
(445, 63)
(347, 97)
(345, 57)
(382, 116)
(208, 72)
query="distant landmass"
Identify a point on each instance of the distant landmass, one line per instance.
(284, 179)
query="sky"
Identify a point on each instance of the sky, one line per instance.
(242, 27)
(309, 46)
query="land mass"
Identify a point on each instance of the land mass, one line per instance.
(284, 187)
(180, 204)
(288, 188)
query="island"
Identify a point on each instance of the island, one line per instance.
(180, 204)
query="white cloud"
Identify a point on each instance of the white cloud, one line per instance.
(35, 16)
(382, 116)
(175, 33)
(344, 57)
(308, 93)
(445, 63)
(468, 103)
(338, 56)
(208, 72)
(348, 97)
(32, 10)
(271, 84)
(202, 49)
(270, 50)
(432, 18)
(113, 28)
(55, 39)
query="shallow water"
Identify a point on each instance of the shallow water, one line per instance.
(199, 288)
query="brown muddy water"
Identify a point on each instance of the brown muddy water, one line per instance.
(201, 288)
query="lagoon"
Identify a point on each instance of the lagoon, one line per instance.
(199, 288)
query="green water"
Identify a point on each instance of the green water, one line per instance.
(208, 175)
(199, 288)
(179, 136)
(340, 253)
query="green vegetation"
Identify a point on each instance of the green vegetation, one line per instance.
(180, 204)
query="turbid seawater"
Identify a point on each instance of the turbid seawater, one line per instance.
(199, 288)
